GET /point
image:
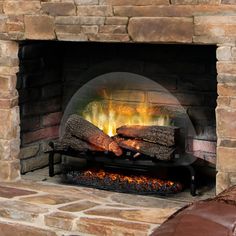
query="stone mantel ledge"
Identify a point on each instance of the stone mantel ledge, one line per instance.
(206, 22)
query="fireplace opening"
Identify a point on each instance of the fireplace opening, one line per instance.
(155, 102)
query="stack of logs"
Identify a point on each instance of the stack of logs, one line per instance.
(153, 141)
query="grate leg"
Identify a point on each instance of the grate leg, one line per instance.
(51, 164)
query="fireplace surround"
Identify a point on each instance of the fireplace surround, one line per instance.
(210, 22)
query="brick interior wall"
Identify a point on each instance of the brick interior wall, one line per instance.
(40, 92)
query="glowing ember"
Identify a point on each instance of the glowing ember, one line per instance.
(109, 115)
(123, 183)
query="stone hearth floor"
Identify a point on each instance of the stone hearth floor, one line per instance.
(32, 207)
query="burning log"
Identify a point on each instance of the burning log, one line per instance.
(150, 149)
(164, 135)
(82, 129)
(76, 144)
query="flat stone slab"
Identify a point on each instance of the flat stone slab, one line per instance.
(145, 201)
(60, 220)
(79, 206)
(152, 216)
(7, 192)
(108, 227)
(21, 211)
(49, 199)
(10, 229)
(161, 29)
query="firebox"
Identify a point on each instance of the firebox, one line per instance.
(120, 89)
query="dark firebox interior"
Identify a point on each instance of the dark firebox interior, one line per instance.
(52, 72)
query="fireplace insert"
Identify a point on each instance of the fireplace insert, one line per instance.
(120, 88)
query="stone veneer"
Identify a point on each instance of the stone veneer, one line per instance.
(154, 21)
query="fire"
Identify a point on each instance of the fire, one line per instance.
(108, 115)
(119, 181)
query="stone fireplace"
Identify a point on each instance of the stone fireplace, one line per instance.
(174, 43)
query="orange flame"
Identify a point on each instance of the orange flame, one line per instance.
(108, 115)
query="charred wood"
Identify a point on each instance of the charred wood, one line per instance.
(76, 144)
(82, 129)
(158, 151)
(164, 135)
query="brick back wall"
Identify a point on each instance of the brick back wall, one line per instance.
(40, 91)
(187, 72)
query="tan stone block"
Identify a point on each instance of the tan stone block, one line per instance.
(5, 36)
(60, 220)
(9, 149)
(7, 83)
(223, 53)
(228, 2)
(172, 10)
(9, 62)
(153, 216)
(226, 89)
(222, 181)
(68, 29)
(10, 170)
(9, 125)
(116, 20)
(9, 49)
(59, 9)
(80, 20)
(15, 23)
(86, 2)
(233, 53)
(138, 2)
(226, 159)
(94, 11)
(21, 7)
(232, 102)
(215, 29)
(8, 70)
(194, 2)
(226, 122)
(3, 26)
(89, 29)
(72, 37)
(232, 178)
(16, 35)
(1, 7)
(226, 67)
(213, 39)
(214, 19)
(113, 29)
(226, 78)
(8, 229)
(108, 227)
(161, 29)
(223, 101)
(39, 27)
(6, 103)
(109, 37)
